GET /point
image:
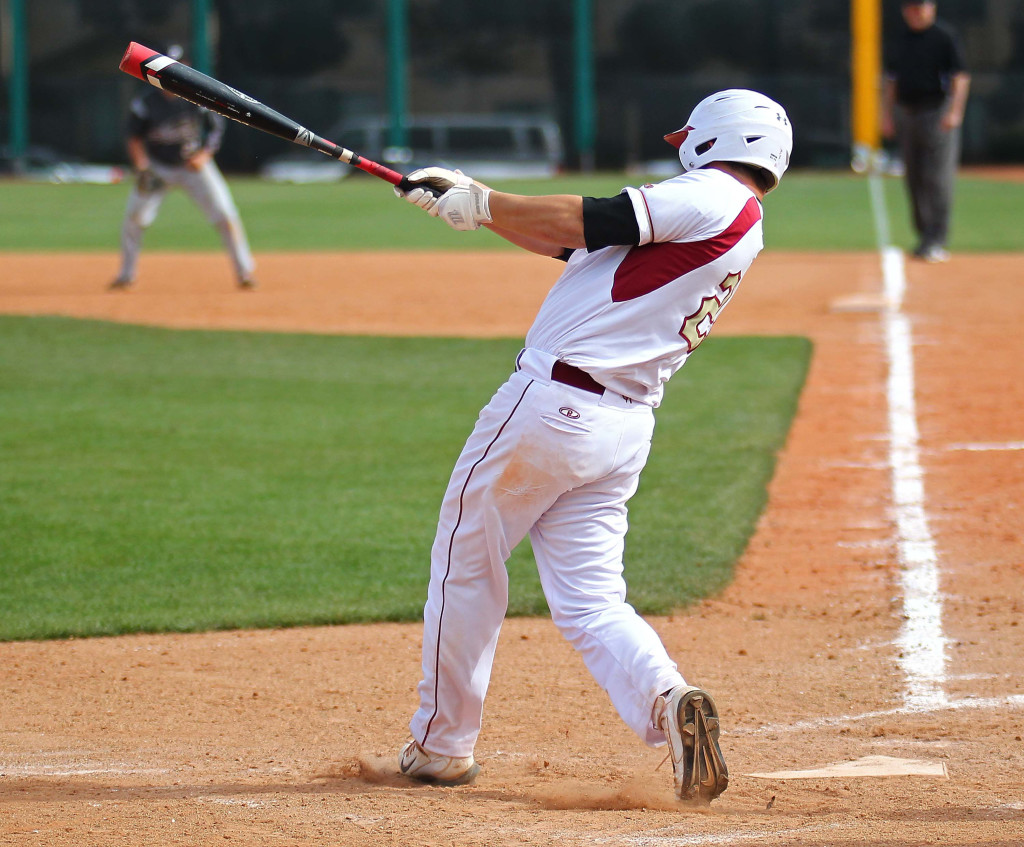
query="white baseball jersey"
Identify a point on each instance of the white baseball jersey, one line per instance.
(559, 462)
(630, 316)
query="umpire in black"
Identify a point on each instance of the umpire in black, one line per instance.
(924, 95)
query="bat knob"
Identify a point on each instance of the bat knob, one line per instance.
(432, 184)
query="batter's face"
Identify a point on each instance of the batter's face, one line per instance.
(919, 16)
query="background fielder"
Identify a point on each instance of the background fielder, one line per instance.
(172, 142)
(558, 450)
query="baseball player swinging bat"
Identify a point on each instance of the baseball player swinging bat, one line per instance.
(189, 84)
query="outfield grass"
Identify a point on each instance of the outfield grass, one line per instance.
(164, 480)
(179, 480)
(819, 211)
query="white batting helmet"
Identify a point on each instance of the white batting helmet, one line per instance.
(736, 125)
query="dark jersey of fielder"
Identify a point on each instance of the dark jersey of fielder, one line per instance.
(173, 130)
(631, 315)
(922, 63)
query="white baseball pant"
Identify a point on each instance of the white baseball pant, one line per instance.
(559, 463)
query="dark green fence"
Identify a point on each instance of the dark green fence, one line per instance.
(324, 60)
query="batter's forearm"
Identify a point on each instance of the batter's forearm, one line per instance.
(555, 221)
(534, 245)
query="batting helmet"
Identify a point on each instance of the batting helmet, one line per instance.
(736, 125)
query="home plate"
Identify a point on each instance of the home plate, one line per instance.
(868, 766)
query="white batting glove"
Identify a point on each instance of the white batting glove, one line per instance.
(464, 207)
(439, 179)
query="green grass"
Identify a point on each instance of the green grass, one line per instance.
(820, 211)
(164, 480)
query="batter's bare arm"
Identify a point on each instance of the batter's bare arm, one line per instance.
(534, 245)
(560, 215)
(559, 222)
(551, 225)
(546, 224)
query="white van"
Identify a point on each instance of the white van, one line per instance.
(490, 146)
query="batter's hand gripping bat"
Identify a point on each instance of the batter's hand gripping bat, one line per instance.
(198, 88)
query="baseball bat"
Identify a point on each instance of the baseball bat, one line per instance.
(189, 84)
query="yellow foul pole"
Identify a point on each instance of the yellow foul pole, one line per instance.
(866, 79)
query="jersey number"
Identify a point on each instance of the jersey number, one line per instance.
(697, 326)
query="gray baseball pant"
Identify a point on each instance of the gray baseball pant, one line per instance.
(930, 157)
(210, 193)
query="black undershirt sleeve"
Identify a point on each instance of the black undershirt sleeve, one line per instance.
(609, 221)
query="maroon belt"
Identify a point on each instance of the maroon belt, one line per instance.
(577, 378)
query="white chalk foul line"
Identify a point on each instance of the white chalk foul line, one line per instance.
(58, 770)
(1013, 701)
(985, 448)
(878, 209)
(921, 641)
(735, 837)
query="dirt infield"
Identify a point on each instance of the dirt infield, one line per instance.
(289, 737)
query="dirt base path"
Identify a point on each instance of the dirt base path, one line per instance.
(289, 737)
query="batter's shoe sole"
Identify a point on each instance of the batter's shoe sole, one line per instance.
(689, 718)
(248, 284)
(434, 769)
(121, 284)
